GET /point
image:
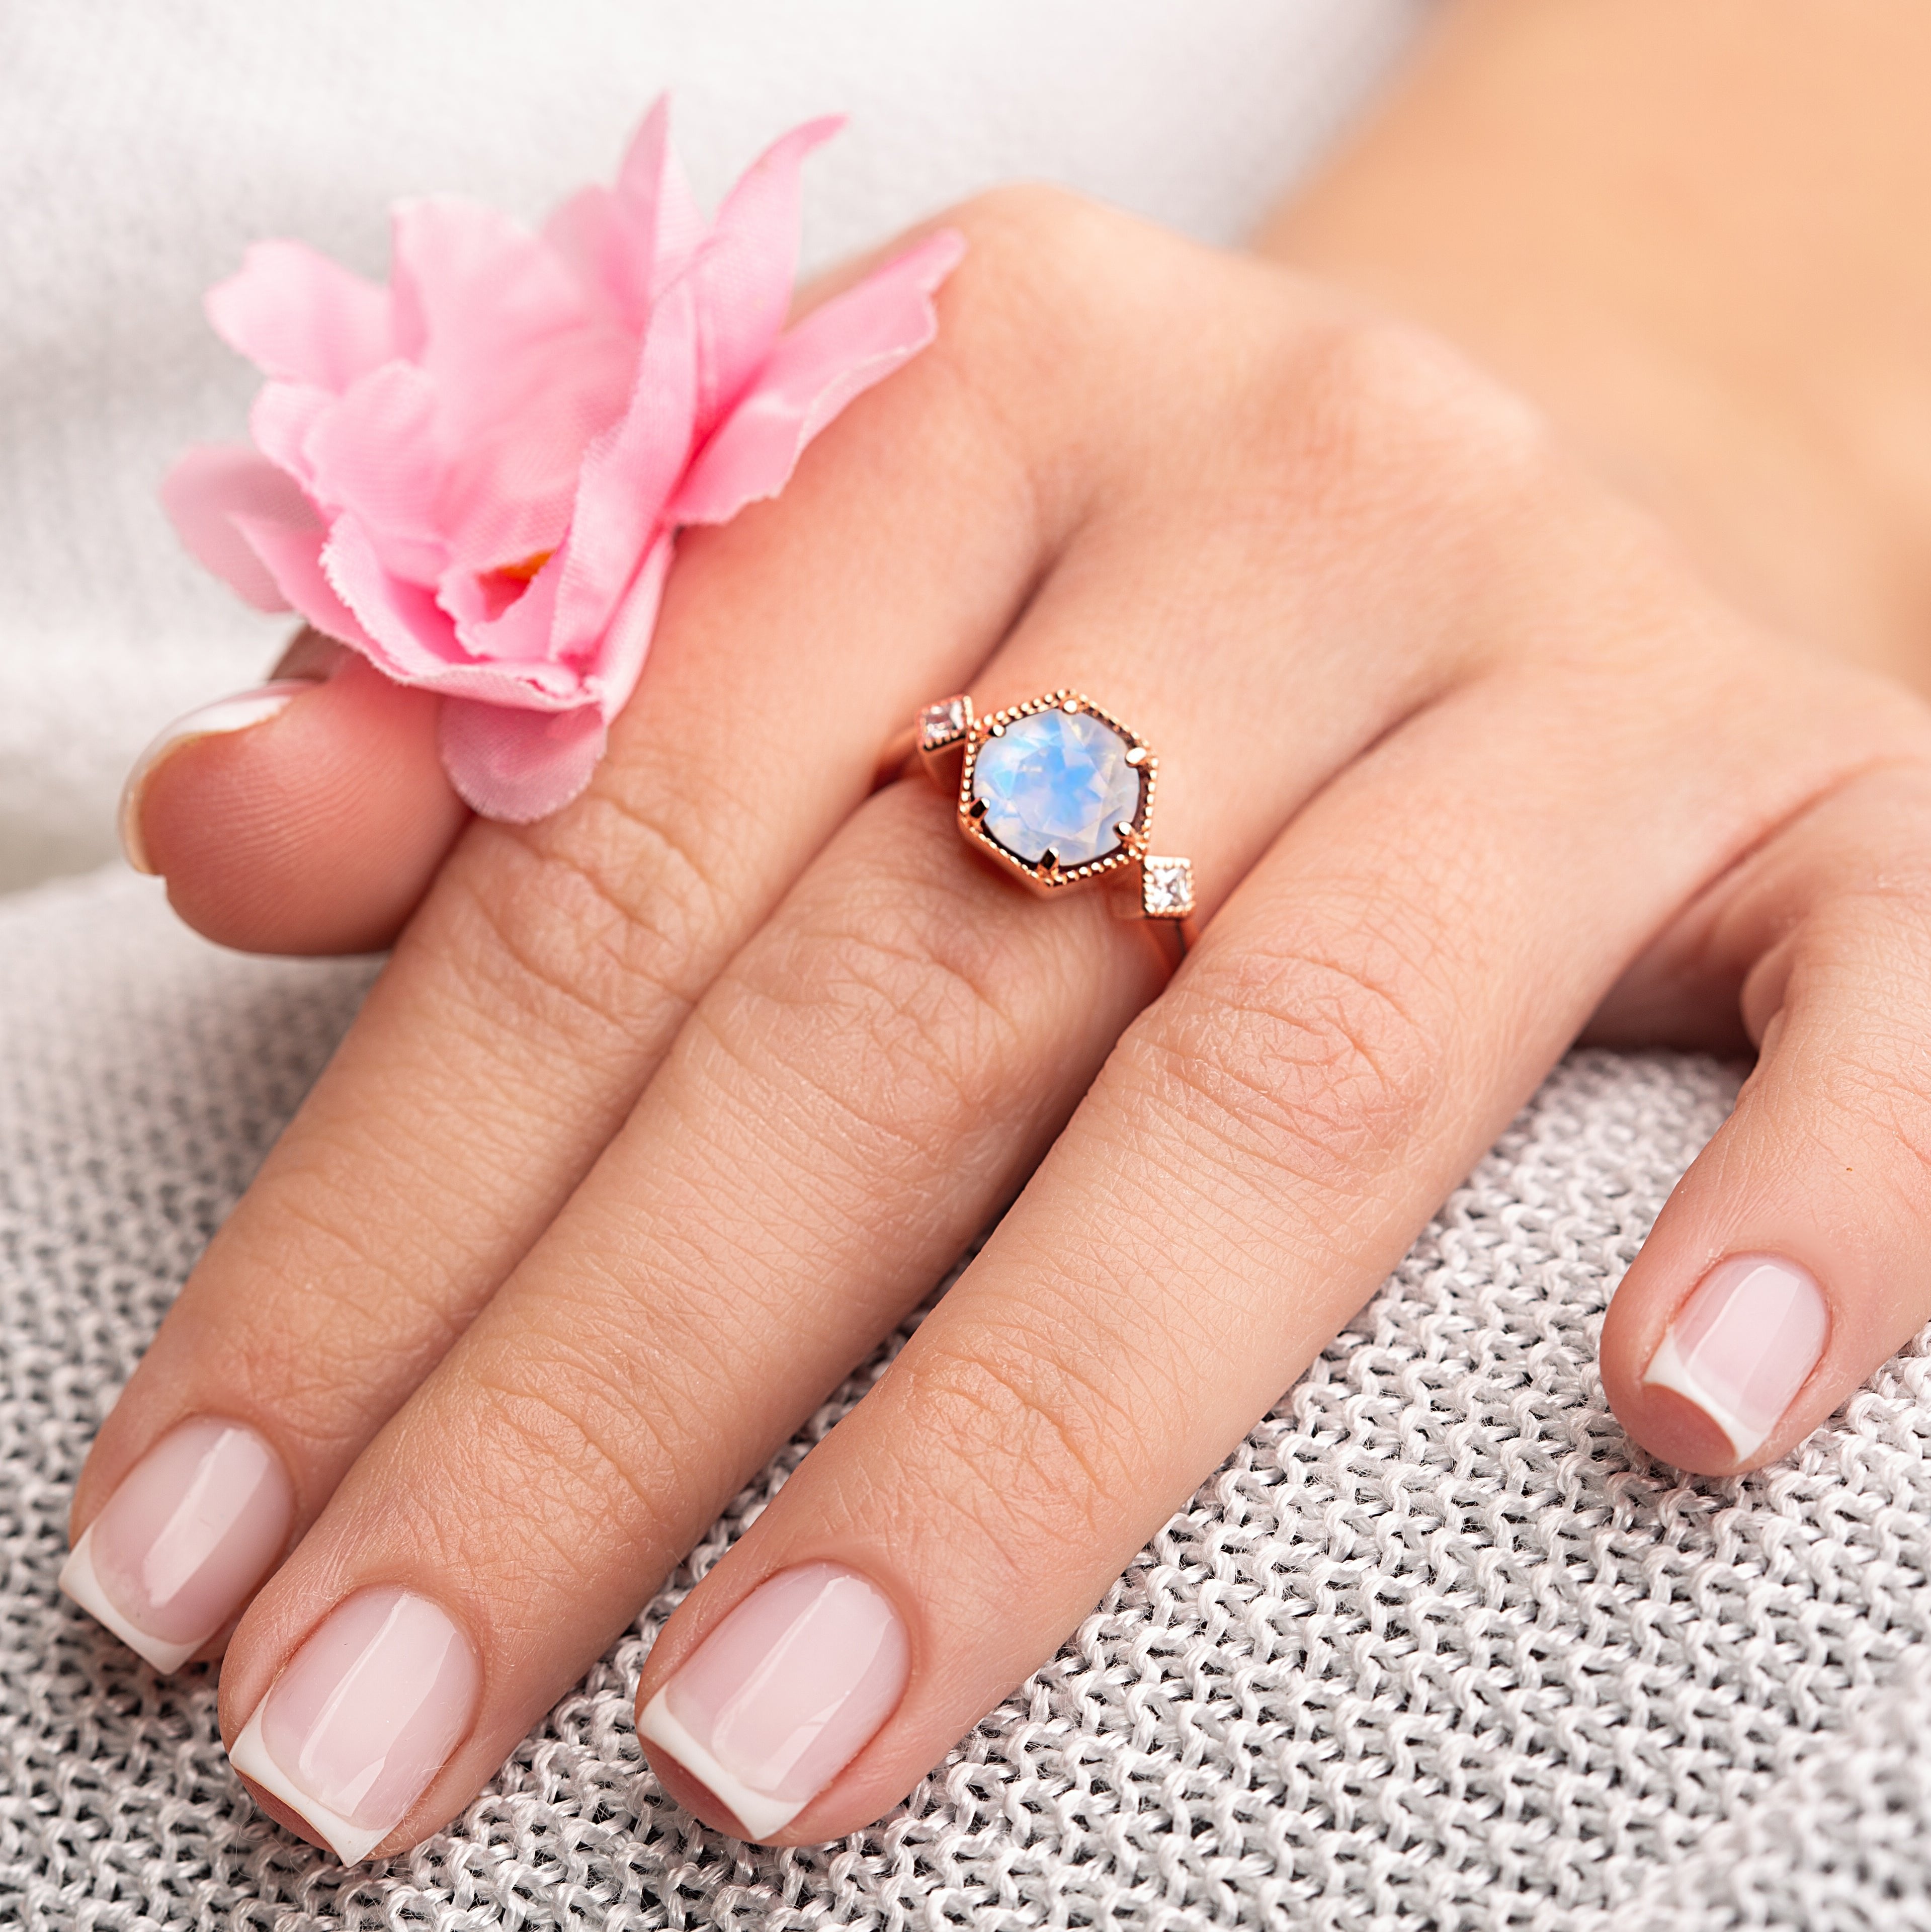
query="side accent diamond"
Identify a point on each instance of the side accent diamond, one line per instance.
(943, 723)
(1166, 888)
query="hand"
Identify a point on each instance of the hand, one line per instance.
(666, 1109)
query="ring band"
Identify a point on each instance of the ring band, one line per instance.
(1060, 793)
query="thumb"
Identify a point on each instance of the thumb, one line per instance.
(308, 815)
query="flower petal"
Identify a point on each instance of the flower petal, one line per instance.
(656, 197)
(627, 477)
(628, 245)
(374, 455)
(518, 765)
(508, 489)
(411, 637)
(207, 489)
(280, 420)
(292, 557)
(743, 274)
(473, 288)
(300, 317)
(522, 633)
(836, 353)
(627, 642)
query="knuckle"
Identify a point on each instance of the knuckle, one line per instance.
(1319, 1061)
(1042, 1448)
(882, 1004)
(1380, 421)
(596, 922)
(552, 1419)
(1030, 312)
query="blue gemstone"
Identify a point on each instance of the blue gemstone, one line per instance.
(1056, 781)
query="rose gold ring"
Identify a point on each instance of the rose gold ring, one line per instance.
(1060, 793)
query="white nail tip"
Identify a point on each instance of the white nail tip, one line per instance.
(211, 721)
(761, 1815)
(1668, 1370)
(79, 1580)
(350, 1842)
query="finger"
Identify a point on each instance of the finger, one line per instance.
(308, 816)
(1789, 1262)
(1359, 1020)
(549, 967)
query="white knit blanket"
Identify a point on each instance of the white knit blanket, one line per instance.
(1435, 1649)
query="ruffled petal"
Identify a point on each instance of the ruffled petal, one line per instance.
(627, 246)
(836, 353)
(292, 558)
(374, 455)
(743, 274)
(519, 765)
(282, 415)
(627, 642)
(411, 637)
(523, 632)
(207, 489)
(627, 479)
(507, 493)
(657, 200)
(302, 318)
(472, 289)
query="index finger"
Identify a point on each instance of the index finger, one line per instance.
(550, 966)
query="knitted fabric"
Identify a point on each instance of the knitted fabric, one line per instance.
(1436, 1648)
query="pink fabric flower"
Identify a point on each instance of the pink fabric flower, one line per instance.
(474, 476)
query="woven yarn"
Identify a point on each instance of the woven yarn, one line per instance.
(1437, 1647)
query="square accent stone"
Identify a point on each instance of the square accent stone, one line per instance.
(943, 723)
(1166, 888)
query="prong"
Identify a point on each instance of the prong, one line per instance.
(977, 809)
(1136, 755)
(1049, 862)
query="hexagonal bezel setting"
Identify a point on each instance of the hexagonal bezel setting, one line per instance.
(1047, 874)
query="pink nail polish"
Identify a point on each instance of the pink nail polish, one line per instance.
(784, 1693)
(230, 714)
(365, 1715)
(1743, 1344)
(195, 1526)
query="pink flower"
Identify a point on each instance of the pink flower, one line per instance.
(475, 476)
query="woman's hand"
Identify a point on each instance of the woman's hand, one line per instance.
(666, 1109)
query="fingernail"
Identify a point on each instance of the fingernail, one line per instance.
(181, 1544)
(231, 714)
(784, 1693)
(1743, 1344)
(367, 1713)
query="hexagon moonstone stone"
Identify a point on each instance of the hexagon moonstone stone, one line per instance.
(1056, 781)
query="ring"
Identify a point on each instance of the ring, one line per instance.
(1060, 794)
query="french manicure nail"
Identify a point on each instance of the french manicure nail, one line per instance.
(1743, 1344)
(784, 1693)
(181, 1545)
(230, 714)
(367, 1713)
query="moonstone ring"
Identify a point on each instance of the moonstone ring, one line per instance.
(1060, 794)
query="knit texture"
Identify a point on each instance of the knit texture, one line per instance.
(1436, 1648)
